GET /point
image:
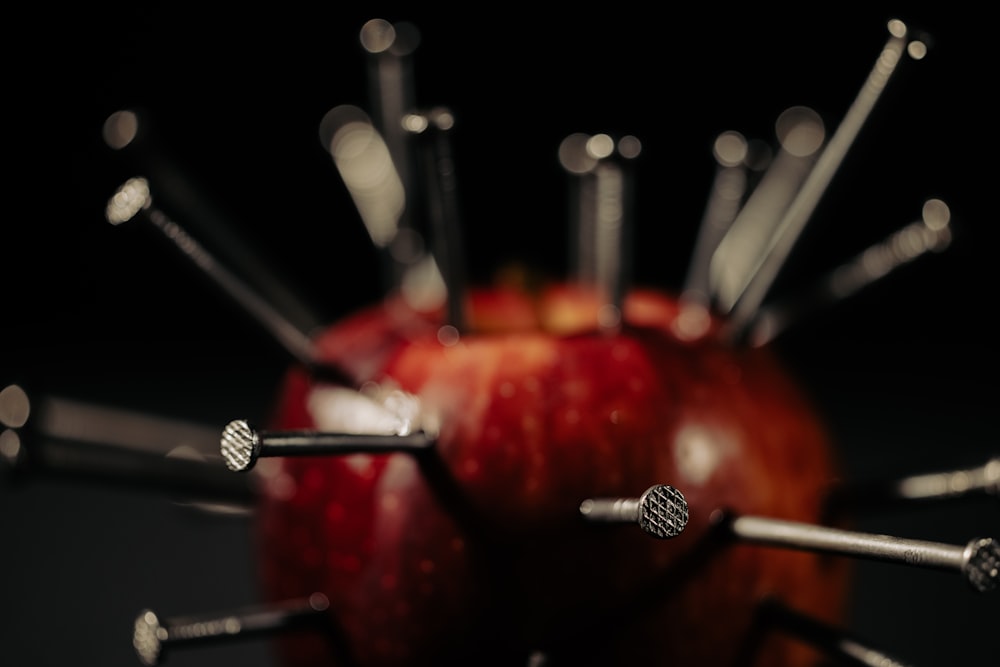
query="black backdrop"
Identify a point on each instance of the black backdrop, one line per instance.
(903, 371)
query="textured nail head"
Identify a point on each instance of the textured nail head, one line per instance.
(240, 445)
(663, 511)
(982, 564)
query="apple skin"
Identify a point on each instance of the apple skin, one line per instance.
(477, 553)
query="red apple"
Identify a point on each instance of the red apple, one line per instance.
(479, 554)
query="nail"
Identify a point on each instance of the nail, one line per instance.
(242, 443)
(152, 637)
(926, 487)
(929, 234)
(433, 130)
(661, 511)
(132, 136)
(801, 133)
(978, 561)
(726, 195)
(133, 200)
(603, 208)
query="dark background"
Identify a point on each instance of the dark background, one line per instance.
(905, 372)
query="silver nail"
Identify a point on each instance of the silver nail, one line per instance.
(134, 200)
(978, 561)
(242, 444)
(661, 511)
(151, 637)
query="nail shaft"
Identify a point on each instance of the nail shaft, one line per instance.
(982, 480)
(724, 200)
(930, 234)
(443, 206)
(611, 199)
(242, 444)
(603, 199)
(151, 636)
